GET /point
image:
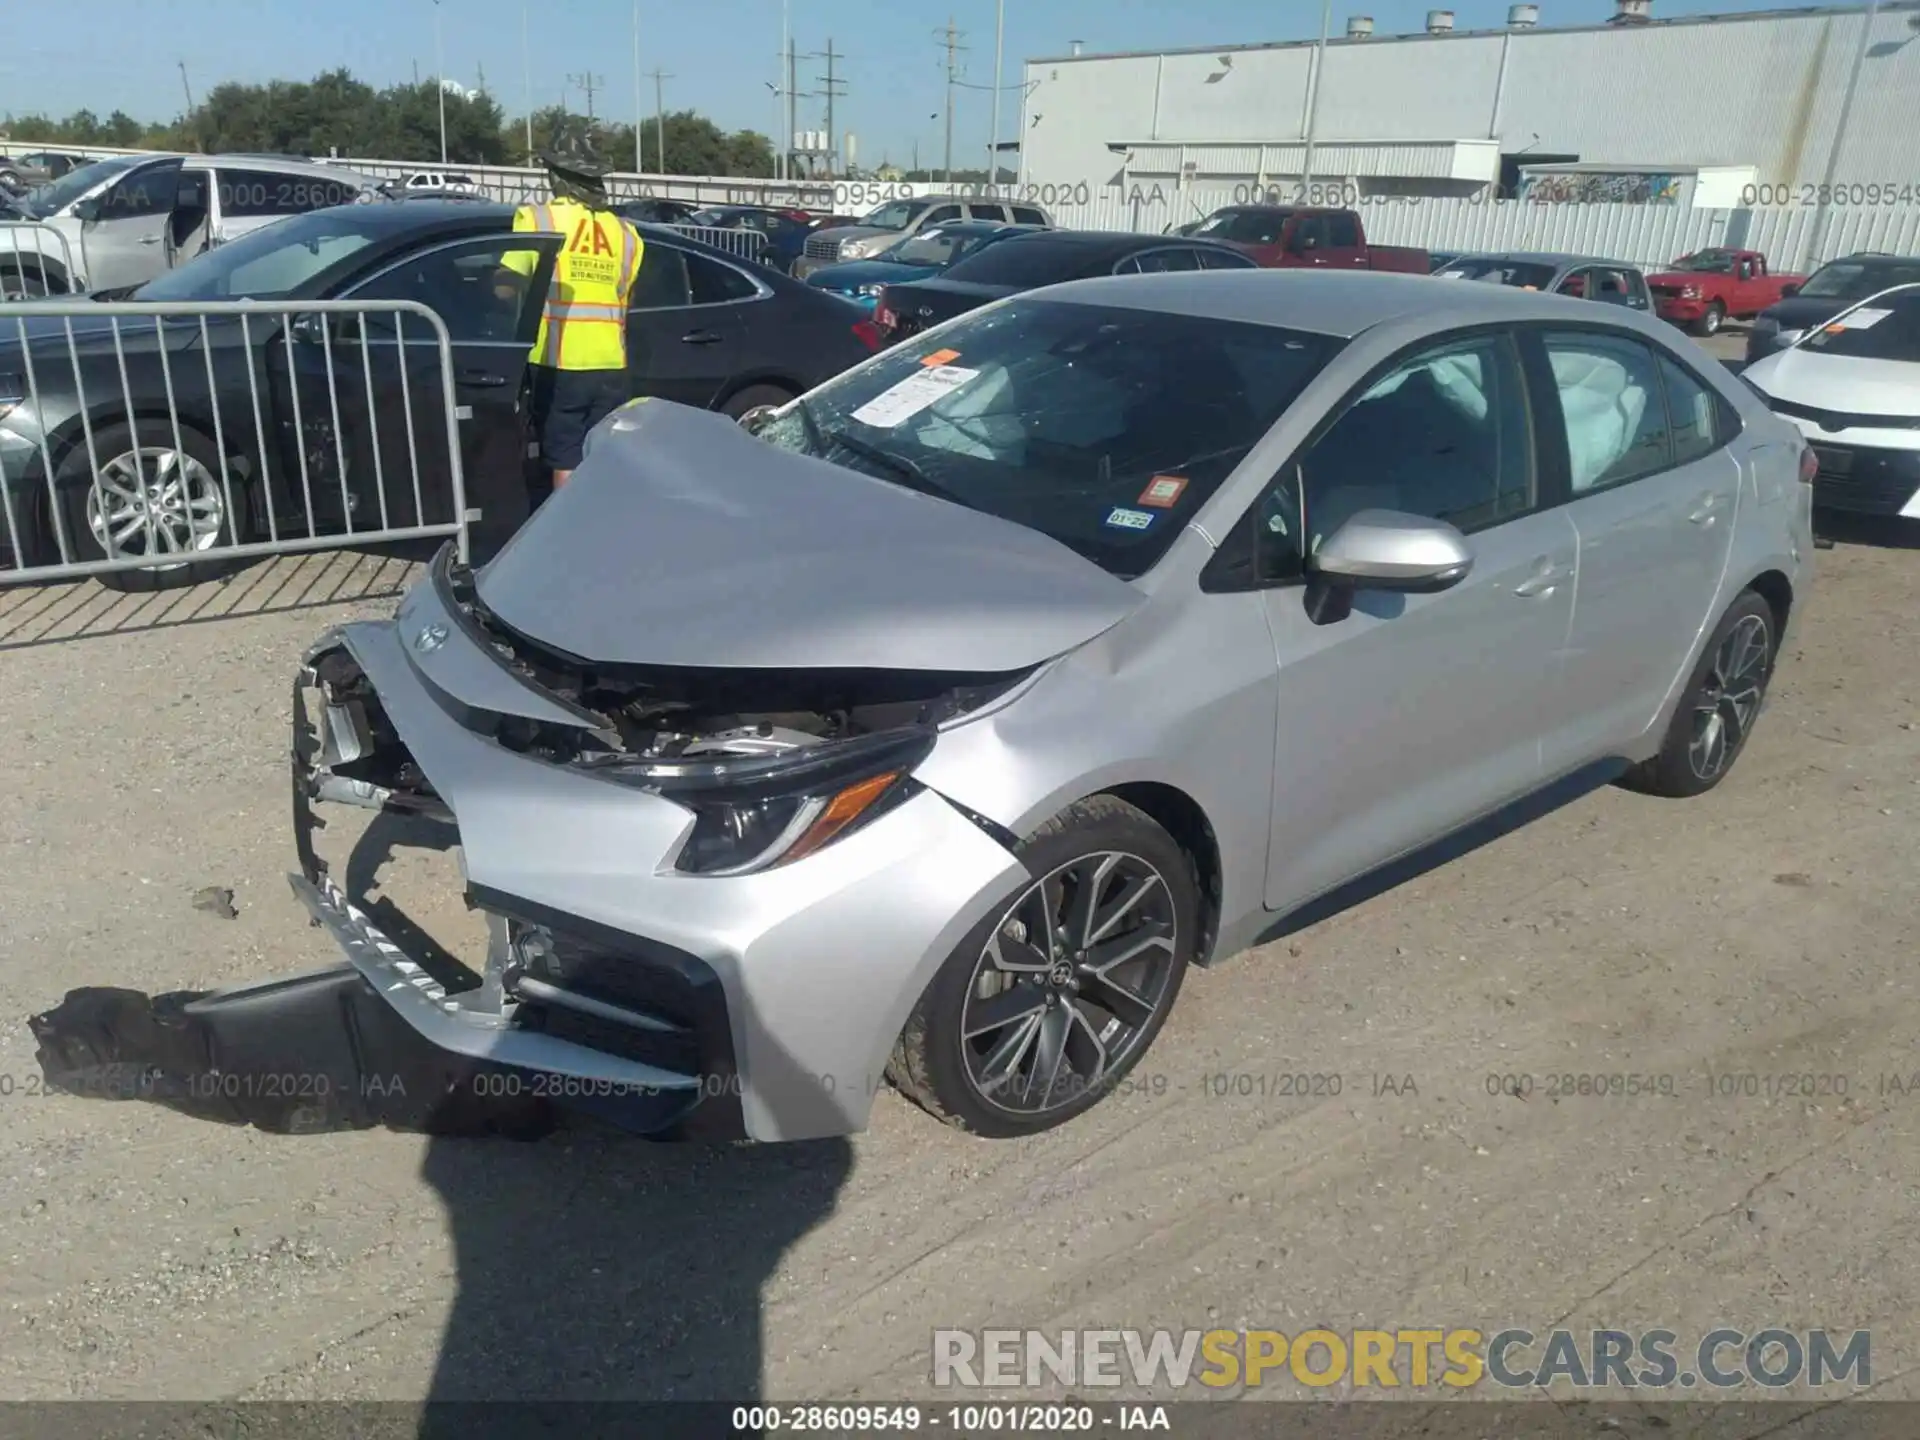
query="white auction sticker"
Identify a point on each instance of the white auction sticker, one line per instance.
(902, 402)
(1863, 319)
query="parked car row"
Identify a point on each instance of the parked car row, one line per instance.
(704, 328)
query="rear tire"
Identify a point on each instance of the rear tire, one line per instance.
(1084, 1004)
(1717, 710)
(1710, 323)
(20, 280)
(148, 495)
(741, 401)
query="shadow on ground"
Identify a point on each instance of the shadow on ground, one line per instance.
(86, 609)
(592, 1265)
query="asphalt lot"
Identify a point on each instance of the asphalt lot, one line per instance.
(1765, 930)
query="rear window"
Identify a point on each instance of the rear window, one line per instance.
(1245, 227)
(1492, 270)
(1029, 260)
(1857, 279)
(1884, 329)
(1103, 427)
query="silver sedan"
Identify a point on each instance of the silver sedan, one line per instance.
(927, 730)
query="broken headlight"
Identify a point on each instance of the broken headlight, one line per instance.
(755, 811)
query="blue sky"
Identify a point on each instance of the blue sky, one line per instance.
(721, 54)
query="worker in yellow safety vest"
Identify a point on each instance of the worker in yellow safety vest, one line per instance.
(579, 358)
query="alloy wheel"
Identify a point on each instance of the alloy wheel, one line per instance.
(1068, 987)
(1730, 696)
(155, 501)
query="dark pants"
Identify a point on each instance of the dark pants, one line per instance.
(569, 403)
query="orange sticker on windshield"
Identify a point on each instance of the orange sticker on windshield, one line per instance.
(1162, 491)
(940, 357)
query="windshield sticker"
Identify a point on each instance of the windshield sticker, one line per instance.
(902, 402)
(1120, 518)
(940, 357)
(1863, 319)
(1163, 491)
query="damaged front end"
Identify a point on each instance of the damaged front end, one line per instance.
(623, 832)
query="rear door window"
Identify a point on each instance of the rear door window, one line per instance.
(940, 214)
(982, 210)
(1345, 230)
(662, 284)
(713, 283)
(259, 194)
(1611, 399)
(1027, 215)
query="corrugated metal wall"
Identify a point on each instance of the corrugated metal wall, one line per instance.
(1762, 91)
(1642, 234)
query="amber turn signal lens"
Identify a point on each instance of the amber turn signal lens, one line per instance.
(845, 808)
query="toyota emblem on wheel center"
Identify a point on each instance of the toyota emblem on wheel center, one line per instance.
(431, 637)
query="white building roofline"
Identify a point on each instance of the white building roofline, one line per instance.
(1377, 39)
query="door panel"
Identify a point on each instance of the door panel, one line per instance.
(1654, 535)
(1415, 714)
(685, 351)
(125, 243)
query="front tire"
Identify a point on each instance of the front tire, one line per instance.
(1051, 1000)
(1710, 323)
(1717, 710)
(148, 498)
(752, 397)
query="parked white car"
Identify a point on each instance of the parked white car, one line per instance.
(1853, 387)
(119, 222)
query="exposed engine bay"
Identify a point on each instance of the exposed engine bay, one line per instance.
(656, 713)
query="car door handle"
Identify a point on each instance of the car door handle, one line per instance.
(1704, 510)
(1544, 581)
(702, 337)
(482, 379)
(151, 240)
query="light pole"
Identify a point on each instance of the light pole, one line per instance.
(786, 86)
(638, 165)
(440, 80)
(999, 52)
(1817, 233)
(1313, 96)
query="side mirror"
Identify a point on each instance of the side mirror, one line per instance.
(1384, 550)
(88, 210)
(318, 329)
(1788, 290)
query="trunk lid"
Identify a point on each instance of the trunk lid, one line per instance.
(684, 541)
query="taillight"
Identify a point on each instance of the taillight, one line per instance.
(869, 334)
(1809, 465)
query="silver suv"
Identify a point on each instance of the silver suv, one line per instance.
(897, 219)
(119, 222)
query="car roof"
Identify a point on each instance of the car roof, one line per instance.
(279, 165)
(1094, 243)
(1341, 304)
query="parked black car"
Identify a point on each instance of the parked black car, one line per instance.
(705, 329)
(1824, 294)
(1046, 257)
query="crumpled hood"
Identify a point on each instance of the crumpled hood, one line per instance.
(684, 541)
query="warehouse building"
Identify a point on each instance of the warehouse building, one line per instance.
(1697, 109)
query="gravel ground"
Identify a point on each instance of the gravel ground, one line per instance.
(1766, 929)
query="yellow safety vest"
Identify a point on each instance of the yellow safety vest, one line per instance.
(584, 324)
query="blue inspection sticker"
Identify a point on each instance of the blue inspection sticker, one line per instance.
(1121, 518)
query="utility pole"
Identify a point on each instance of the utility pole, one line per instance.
(640, 166)
(781, 166)
(588, 82)
(835, 89)
(526, 77)
(660, 116)
(187, 86)
(999, 57)
(440, 79)
(793, 97)
(951, 38)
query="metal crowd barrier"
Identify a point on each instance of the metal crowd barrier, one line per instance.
(748, 244)
(330, 423)
(36, 260)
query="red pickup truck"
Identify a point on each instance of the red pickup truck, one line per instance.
(1707, 287)
(1287, 235)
